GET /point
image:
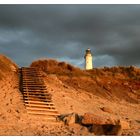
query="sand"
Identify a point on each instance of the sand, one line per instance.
(102, 95)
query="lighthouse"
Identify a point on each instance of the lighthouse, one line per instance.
(88, 60)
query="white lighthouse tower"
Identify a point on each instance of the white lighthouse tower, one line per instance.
(88, 60)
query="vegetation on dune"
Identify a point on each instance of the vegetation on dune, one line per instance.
(51, 66)
(6, 65)
(119, 72)
(107, 82)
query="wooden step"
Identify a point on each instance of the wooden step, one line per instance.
(33, 72)
(34, 87)
(38, 105)
(31, 79)
(33, 84)
(36, 92)
(27, 75)
(44, 116)
(29, 69)
(50, 119)
(43, 113)
(31, 76)
(48, 112)
(38, 102)
(42, 109)
(38, 86)
(32, 90)
(37, 95)
(37, 99)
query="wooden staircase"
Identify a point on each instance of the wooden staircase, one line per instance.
(37, 100)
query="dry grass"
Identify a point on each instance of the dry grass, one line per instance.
(127, 72)
(115, 82)
(51, 66)
(6, 65)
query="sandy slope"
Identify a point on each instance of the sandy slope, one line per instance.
(69, 99)
(71, 93)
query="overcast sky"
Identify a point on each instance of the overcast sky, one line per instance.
(63, 32)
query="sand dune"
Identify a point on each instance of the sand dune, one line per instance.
(107, 92)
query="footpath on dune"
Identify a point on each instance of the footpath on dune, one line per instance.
(109, 94)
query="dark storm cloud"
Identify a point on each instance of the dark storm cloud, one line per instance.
(63, 32)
